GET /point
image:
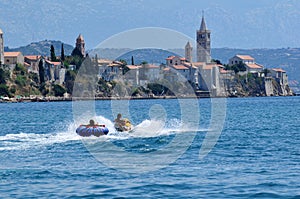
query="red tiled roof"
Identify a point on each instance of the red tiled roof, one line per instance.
(279, 70)
(11, 54)
(225, 71)
(32, 57)
(170, 57)
(53, 62)
(198, 63)
(26, 64)
(166, 69)
(254, 66)
(209, 66)
(133, 67)
(151, 66)
(245, 57)
(180, 67)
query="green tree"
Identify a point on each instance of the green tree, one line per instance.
(4, 90)
(3, 76)
(41, 72)
(58, 90)
(62, 56)
(52, 53)
(132, 60)
(21, 80)
(20, 69)
(76, 52)
(217, 61)
(69, 82)
(266, 71)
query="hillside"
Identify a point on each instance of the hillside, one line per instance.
(140, 55)
(42, 48)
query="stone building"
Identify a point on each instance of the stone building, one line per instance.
(1, 48)
(13, 58)
(80, 44)
(281, 78)
(251, 66)
(32, 63)
(188, 52)
(203, 43)
(54, 71)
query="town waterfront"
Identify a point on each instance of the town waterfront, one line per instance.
(256, 156)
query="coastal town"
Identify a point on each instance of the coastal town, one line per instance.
(50, 78)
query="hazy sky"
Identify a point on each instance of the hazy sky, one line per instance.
(233, 23)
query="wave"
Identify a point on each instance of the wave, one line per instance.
(146, 129)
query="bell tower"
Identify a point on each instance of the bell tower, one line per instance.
(188, 52)
(80, 45)
(203, 43)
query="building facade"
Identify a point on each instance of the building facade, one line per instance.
(188, 52)
(32, 63)
(203, 43)
(80, 44)
(250, 64)
(13, 58)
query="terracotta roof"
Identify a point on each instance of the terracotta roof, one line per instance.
(32, 57)
(180, 67)
(53, 62)
(225, 71)
(166, 69)
(133, 67)
(151, 66)
(198, 63)
(11, 54)
(254, 66)
(104, 61)
(182, 58)
(187, 64)
(26, 64)
(245, 57)
(209, 66)
(170, 57)
(279, 70)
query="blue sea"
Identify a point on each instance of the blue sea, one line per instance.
(189, 148)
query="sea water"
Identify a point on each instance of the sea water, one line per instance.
(257, 154)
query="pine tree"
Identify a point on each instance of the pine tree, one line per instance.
(52, 53)
(132, 61)
(62, 56)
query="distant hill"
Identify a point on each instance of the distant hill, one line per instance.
(42, 48)
(153, 56)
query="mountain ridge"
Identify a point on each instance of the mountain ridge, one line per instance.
(42, 48)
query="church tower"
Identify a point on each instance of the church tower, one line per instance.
(1, 48)
(188, 52)
(80, 45)
(203, 43)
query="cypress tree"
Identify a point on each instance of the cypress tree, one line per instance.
(132, 61)
(41, 72)
(52, 53)
(62, 56)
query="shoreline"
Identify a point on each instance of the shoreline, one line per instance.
(60, 99)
